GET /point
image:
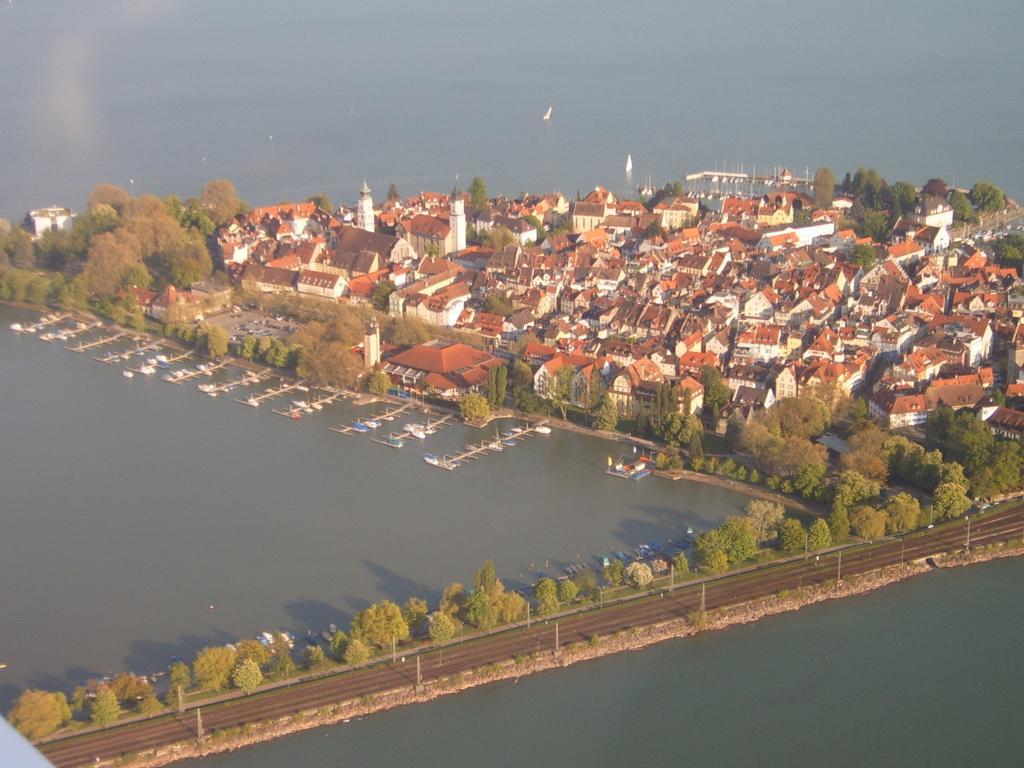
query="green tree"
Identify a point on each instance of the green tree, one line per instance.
(247, 676)
(478, 195)
(180, 680)
(739, 538)
(281, 662)
(216, 341)
(356, 652)
(441, 628)
(680, 564)
(474, 407)
(36, 714)
(104, 708)
(606, 416)
(852, 489)
(868, 522)
(415, 613)
(381, 624)
(567, 591)
(480, 610)
(212, 667)
(864, 255)
(498, 304)
(903, 512)
(315, 658)
(393, 192)
(820, 535)
(950, 501)
(252, 649)
(546, 594)
(792, 536)
(500, 386)
(221, 201)
(987, 197)
(638, 575)
(809, 481)
(380, 298)
(378, 383)
(902, 197)
(824, 187)
(560, 389)
(867, 453)
(765, 516)
(130, 689)
(614, 572)
(322, 201)
(839, 524)
(716, 393)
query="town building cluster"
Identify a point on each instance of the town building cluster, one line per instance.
(764, 288)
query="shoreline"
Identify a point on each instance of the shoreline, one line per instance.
(633, 639)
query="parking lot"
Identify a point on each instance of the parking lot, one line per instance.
(244, 322)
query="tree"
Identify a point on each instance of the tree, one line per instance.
(212, 667)
(764, 515)
(216, 341)
(546, 594)
(36, 714)
(114, 262)
(903, 512)
(867, 453)
(337, 644)
(381, 624)
(638, 575)
(614, 572)
(378, 383)
(809, 481)
(110, 195)
(477, 195)
(606, 416)
(252, 649)
(792, 537)
(180, 680)
(710, 549)
(315, 657)
(560, 391)
(281, 662)
(474, 408)
(356, 652)
(130, 689)
(322, 201)
(480, 610)
(824, 187)
(453, 597)
(104, 708)
(382, 294)
(950, 501)
(567, 591)
(963, 211)
(868, 522)
(852, 489)
(498, 304)
(739, 538)
(864, 256)
(221, 200)
(820, 535)
(902, 196)
(415, 612)
(510, 606)
(839, 524)
(680, 564)
(500, 386)
(716, 393)
(441, 628)
(987, 197)
(247, 675)
(18, 247)
(393, 192)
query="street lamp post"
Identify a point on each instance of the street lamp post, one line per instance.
(968, 518)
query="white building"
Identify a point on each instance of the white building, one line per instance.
(457, 221)
(44, 220)
(364, 210)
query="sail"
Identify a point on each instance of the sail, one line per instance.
(629, 163)
(547, 115)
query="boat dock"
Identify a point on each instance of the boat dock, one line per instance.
(331, 397)
(389, 414)
(75, 332)
(45, 322)
(195, 372)
(498, 444)
(177, 358)
(393, 440)
(109, 358)
(248, 379)
(103, 340)
(254, 401)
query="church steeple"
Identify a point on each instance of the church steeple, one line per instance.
(364, 211)
(457, 217)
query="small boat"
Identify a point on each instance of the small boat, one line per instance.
(265, 638)
(16, 327)
(629, 163)
(317, 406)
(252, 401)
(509, 443)
(151, 361)
(295, 415)
(128, 374)
(161, 358)
(372, 423)
(432, 460)
(496, 446)
(542, 430)
(547, 115)
(358, 426)
(299, 403)
(395, 441)
(419, 434)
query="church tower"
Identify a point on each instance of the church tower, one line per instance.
(364, 211)
(371, 345)
(457, 219)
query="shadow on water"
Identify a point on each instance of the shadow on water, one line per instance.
(396, 587)
(73, 676)
(316, 614)
(148, 656)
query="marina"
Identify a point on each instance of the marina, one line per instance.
(203, 369)
(253, 401)
(471, 451)
(45, 322)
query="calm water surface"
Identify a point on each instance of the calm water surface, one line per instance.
(171, 93)
(128, 506)
(922, 673)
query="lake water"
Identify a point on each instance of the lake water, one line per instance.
(129, 506)
(921, 673)
(288, 99)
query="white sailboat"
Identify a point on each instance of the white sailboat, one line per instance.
(629, 163)
(547, 115)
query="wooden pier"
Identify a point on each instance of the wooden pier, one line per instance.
(394, 440)
(254, 400)
(194, 373)
(247, 380)
(45, 322)
(108, 359)
(102, 341)
(476, 450)
(76, 332)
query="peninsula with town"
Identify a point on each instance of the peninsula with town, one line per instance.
(847, 352)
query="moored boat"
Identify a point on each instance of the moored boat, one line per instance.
(542, 430)
(128, 374)
(432, 460)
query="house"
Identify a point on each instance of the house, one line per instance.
(43, 220)
(636, 383)
(322, 284)
(676, 212)
(447, 369)
(268, 279)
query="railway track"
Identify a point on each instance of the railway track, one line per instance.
(719, 593)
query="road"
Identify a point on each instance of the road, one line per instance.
(81, 750)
